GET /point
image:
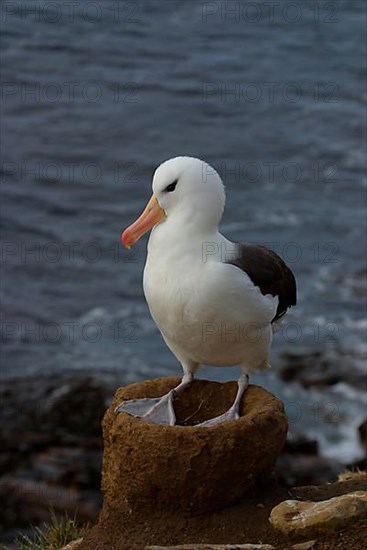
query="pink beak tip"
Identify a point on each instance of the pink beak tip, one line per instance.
(124, 240)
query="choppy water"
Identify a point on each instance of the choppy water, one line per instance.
(97, 94)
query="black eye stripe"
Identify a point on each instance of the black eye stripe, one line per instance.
(171, 187)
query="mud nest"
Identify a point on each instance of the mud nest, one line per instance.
(185, 468)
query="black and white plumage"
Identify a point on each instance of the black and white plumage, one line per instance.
(269, 272)
(214, 301)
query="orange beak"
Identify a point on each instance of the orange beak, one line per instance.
(152, 215)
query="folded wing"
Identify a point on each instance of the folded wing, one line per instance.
(268, 272)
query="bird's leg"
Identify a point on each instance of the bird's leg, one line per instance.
(233, 412)
(159, 409)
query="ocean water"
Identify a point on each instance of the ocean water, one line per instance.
(95, 95)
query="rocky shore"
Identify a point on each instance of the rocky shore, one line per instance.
(51, 443)
(51, 450)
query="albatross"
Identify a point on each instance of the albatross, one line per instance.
(215, 302)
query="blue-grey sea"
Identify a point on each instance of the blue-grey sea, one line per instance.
(95, 95)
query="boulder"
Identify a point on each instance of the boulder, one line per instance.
(294, 517)
(149, 467)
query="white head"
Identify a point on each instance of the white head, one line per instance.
(186, 191)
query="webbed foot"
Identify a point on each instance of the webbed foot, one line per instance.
(158, 409)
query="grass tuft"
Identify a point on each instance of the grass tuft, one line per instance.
(60, 532)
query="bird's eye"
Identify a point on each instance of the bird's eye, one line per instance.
(171, 187)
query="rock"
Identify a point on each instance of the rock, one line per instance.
(319, 368)
(149, 467)
(55, 411)
(301, 464)
(304, 545)
(362, 430)
(310, 369)
(69, 467)
(31, 501)
(300, 444)
(294, 517)
(348, 482)
(76, 409)
(72, 545)
(305, 469)
(52, 449)
(213, 547)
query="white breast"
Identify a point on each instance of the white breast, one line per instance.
(207, 311)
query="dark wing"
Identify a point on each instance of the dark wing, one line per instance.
(267, 271)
